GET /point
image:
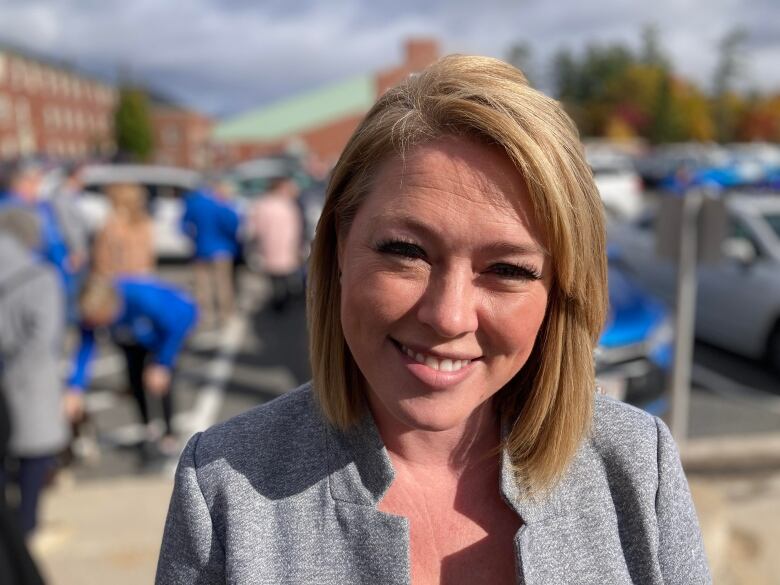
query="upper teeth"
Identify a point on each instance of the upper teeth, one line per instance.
(443, 365)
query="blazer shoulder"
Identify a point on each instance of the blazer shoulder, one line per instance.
(278, 439)
(624, 433)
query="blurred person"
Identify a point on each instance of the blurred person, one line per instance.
(274, 230)
(70, 218)
(149, 320)
(212, 224)
(22, 184)
(16, 565)
(312, 196)
(31, 333)
(125, 243)
(453, 432)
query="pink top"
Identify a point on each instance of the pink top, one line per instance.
(274, 223)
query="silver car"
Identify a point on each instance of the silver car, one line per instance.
(738, 299)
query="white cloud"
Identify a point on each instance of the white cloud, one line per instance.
(224, 55)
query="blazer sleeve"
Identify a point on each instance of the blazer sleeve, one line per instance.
(191, 553)
(680, 547)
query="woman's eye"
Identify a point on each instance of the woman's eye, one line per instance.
(399, 248)
(515, 272)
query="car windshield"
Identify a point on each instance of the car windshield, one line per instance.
(773, 219)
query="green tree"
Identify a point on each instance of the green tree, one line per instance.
(521, 56)
(651, 52)
(730, 65)
(132, 124)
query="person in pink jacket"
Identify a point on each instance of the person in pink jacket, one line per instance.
(274, 228)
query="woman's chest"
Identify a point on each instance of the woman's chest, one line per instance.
(466, 539)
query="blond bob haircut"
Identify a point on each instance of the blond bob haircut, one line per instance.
(547, 407)
(98, 295)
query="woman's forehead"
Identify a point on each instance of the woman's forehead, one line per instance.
(452, 181)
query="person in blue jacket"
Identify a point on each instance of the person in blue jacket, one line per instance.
(149, 320)
(212, 225)
(21, 188)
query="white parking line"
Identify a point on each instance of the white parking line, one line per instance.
(211, 394)
(728, 388)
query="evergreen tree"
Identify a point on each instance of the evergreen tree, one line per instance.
(132, 124)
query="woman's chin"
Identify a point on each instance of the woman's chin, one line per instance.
(429, 416)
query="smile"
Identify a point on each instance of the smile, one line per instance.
(438, 364)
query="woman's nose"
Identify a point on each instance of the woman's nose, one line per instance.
(448, 305)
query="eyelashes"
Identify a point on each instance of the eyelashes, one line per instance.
(516, 271)
(407, 250)
(401, 248)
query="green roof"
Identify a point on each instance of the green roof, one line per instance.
(301, 112)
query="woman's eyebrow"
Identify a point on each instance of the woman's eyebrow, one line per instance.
(412, 223)
(520, 249)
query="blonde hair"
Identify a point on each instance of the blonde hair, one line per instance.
(548, 405)
(98, 295)
(129, 200)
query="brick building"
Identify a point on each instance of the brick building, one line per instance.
(180, 135)
(50, 109)
(320, 121)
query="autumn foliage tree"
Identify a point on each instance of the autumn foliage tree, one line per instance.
(612, 91)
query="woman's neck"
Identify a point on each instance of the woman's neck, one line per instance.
(465, 447)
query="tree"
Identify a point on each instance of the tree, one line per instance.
(651, 53)
(132, 124)
(521, 56)
(730, 65)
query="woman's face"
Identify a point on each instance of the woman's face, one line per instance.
(445, 282)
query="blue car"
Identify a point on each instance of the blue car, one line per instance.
(635, 352)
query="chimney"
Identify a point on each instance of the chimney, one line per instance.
(420, 53)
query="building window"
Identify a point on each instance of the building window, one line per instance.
(22, 110)
(48, 117)
(170, 135)
(17, 73)
(8, 148)
(5, 109)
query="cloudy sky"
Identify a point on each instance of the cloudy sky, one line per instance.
(224, 56)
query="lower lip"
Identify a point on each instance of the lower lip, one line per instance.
(435, 379)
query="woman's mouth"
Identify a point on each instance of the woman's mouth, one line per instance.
(438, 363)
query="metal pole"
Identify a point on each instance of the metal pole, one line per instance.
(686, 314)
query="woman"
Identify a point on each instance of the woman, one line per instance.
(452, 433)
(125, 244)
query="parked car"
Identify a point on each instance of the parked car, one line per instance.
(619, 185)
(663, 162)
(253, 177)
(635, 352)
(738, 298)
(165, 187)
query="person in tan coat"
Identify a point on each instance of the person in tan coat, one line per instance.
(125, 244)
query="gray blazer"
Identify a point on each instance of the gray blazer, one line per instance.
(277, 496)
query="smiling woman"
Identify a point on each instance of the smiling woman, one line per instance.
(452, 432)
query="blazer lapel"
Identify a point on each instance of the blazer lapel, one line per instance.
(570, 534)
(360, 472)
